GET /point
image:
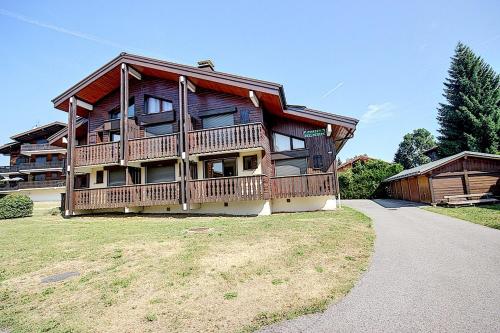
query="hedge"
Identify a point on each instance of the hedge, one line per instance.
(15, 205)
(364, 180)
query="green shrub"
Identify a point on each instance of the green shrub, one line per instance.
(364, 180)
(15, 205)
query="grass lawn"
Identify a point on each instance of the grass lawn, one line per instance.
(149, 274)
(487, 215)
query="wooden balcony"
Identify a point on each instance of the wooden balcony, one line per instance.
(28, 148)
(221, 139)
(303, 185)
(47, 165)
(228, 189)
(97, 154)
(153, 147)
(9, 169)
(13, 186)
(127, 196)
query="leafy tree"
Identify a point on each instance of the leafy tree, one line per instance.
(470, 120)
(410, 152)
(364, 180)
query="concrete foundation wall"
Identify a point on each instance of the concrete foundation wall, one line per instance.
(43, 194)
(306, 204)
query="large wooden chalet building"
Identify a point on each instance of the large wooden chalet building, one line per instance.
(163, 137)
(36, 160)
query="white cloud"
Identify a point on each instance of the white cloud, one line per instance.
(331, 91)
(377, 112)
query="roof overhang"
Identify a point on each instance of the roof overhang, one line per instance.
(57, 138)
(8, 147)
(40, 131)
(107, 79)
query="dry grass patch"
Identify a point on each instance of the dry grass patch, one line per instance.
(141, 274)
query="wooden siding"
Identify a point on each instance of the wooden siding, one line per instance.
(303, 185)
(127, 196)
(424, 189)
(228, 189)
(449, 185)
(485, 183)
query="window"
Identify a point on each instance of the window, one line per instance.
(250, 162)
(114, 136)
(244, 116)
(220, 168)
(116, 177)
(317, 161)
(135, 175)
(99, 177)
(41, 159)
(219, 120)
(290, 167)
(41, 141)
(159, 130)
(116, 114)
(159, 174)
(40, 176)
(285, 142)
(156, 105)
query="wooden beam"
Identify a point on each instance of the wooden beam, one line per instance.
(134, 73)
(183, 99)
(466, 176)
(253, 98)
(70, 158)
(84, 105)
(124, 96)
(181, 143)
(191, 86)
(329, 130)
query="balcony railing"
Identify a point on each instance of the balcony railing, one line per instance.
(56, 164)
(9, 168)
(228, 189)
(96, 154)
(31, 184)
(29, 147)
(127, 196)
(303, 185)
(153, 147)
(226, 138)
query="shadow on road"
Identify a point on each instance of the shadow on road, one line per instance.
(391, 203)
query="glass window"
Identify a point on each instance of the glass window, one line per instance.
(290, 167)
(317, 161)
(116, 177)
(219, 120)
(131, 108)
(298, 143)
(159, 174)
(41, 141)
(40, 176)
(281, 142)
(41, 159)
(99, 177)
(156, 130)
(250, 162)
(115, 114)
(156, 105)
(220, 168)
(244, 116)
(114, 136)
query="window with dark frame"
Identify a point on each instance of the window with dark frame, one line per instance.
(317, 161)
(116, 177)
(244, 116)
(250, 162)
(220, 168)
(116, 114)
(158, 105)
(282, 142)
(99, 177)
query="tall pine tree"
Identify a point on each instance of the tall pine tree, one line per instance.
(470, 120)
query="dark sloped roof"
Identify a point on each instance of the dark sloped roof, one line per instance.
(6, 148)
(64, 131)
(38, 131)
(424, 168)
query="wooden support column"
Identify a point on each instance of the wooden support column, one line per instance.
(181, 143)
(337, 185)
(70, 158)
(466, 176)
(124, 96)
(431, 187)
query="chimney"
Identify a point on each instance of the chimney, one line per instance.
(207, 65)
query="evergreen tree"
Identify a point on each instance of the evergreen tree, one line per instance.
(410, 152)
(470, 120)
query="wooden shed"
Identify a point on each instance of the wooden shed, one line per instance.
(460, 174)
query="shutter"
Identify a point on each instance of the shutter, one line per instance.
(156, 130)
(244, 116)
(116, 177)
(291, 167)
(160, 174)
(220, 120)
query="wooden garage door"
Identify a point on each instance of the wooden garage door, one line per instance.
(449, 185)
(413, 185)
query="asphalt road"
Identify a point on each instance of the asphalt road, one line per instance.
(429, 273)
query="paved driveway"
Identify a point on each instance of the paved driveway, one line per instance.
(430, 273)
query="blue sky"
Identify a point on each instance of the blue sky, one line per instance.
(382, 62)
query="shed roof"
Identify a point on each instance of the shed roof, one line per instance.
(424, 168)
